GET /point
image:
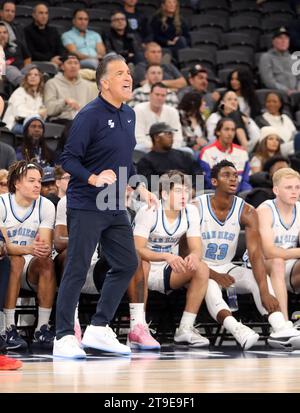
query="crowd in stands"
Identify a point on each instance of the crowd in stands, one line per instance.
(205, 88)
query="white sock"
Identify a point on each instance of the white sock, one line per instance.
(230, 323)
(43, 317)
(9, 316)
(76, 318)
(136, 311)
(187, 319)
(2, 323)
(276, 320)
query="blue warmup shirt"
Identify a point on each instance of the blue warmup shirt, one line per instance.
(101, 137)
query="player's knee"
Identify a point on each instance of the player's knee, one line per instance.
(16, 265)
(45, 265)
(202, 271)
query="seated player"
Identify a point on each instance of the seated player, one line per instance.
(221, 217)
(157, 233)
(279, 225)
(26, 221)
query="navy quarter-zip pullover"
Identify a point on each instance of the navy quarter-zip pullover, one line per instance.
(101, 137)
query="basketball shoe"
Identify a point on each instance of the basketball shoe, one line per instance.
(190, 335)
(103, 338)
(140, 338)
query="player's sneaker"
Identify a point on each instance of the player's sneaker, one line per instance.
(7, 363)
(44, 337)
(191, 336)
(14, 340)
(103, 338)
(140, 338)
(287, 337)
(245, 336)
(3, 344)
(68, 347)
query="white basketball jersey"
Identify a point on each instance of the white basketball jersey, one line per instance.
(219, 239)
(21, 230)
(163, 236)
(285, 237)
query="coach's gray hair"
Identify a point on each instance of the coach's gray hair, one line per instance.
(102, 67)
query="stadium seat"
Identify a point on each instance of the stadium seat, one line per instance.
(232, 58)
(208, 20)
(190, 56)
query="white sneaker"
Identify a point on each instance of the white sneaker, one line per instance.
(103, 338)
(287, 337)
(191, 336)
(245, 336)
(68, 347)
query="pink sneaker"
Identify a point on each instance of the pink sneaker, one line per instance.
(140, 338)
(77, 330)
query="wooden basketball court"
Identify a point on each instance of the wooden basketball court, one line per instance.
(224, 370)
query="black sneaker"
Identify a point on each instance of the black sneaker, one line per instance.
(44, 337)
(3, 344)
(14, 340)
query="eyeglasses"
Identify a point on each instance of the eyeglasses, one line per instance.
(67, 178)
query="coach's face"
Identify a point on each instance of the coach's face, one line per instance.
(117, 84)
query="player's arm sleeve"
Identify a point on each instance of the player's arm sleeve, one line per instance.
(61, 212)
(144, 221)
(47, 214)
(193, 218)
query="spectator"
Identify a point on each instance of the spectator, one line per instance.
(118, 40)
(192, 120)
(262, 181)
(163, 158)
(49, 187)
(44, 42)
(154, 74)
(34, 146)
(241, 82)
(273, 116)
(224, 148)
(136, 22)
(198, 82)
(26, 100)
(61, 180)
(153, 55)
(247, 132)
(86, 44)
(155, 111)
(15, 31)
(168, 28)
(7, 153)
(275, 66)
(16, 57)
(66, 93)
(3, 181)
(269, 146)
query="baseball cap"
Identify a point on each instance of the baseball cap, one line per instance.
(280, 31)
(196, 69)
(159, 128)
(48, 174)
(267, 131)
(29, 119)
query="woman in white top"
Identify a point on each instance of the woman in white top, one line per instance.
(284, 125)
(269, 146)
(25, 101)
(247, 132)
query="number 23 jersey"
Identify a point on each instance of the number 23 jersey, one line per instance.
(219, 239)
